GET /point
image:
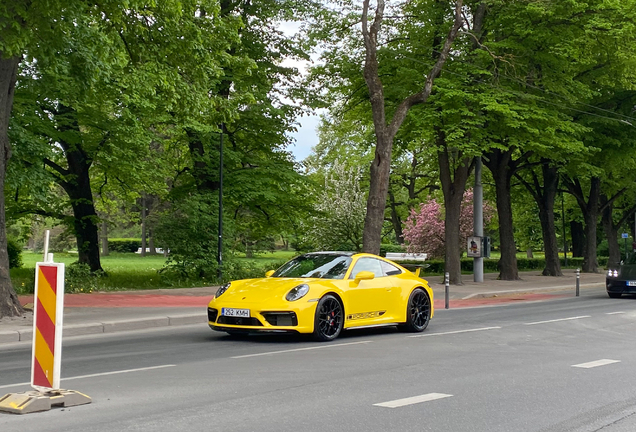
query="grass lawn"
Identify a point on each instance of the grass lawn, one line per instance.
(126, 271)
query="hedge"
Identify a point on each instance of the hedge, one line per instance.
(437, 266)
(15, 254)
(124, 244)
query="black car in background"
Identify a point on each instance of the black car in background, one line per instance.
(621, 279)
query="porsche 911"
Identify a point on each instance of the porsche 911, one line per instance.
(324, 293)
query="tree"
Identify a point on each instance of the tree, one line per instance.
(424, 230)
(385, 131)
(340, 209)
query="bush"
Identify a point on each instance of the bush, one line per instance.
(491, 265)
(124, 244)
(78, 278)
(15, 254)
(393, 248)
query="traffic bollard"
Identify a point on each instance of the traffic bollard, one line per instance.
(578, 281)
(446, 290)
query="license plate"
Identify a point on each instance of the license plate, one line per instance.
(631, 283)
(243, 313)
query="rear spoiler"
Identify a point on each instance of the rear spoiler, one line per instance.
(415, 268)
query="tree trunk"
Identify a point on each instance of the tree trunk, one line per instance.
(589, 205)
(143, 225)
(9, 303)
(105, 251)
(546, 216)
(578, 238)
(151, 242)
(498, 162)
(378, 190)
(453, 179)
(611, 232)
(396, 220)
(85, 217)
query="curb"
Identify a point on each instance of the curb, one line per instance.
(26, 334)
(533, 290)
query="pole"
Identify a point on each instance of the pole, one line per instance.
(446, 290)
(565, 243)
(578, 281)
(478, 220)
(220, 246)
(46, 245)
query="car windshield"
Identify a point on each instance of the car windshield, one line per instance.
(325, 266)
(631, 259)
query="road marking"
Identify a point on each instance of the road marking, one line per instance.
(413, 400)
(300, 349)
(557, 320)
(455, 332)
(596, 363)
(614, 313)
(96, 375)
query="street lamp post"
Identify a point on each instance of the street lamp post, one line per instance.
(220, 245)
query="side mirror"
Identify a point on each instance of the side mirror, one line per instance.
(364, 275)
(270, 273)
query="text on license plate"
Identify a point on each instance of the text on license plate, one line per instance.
(243, 313)
(631, 283)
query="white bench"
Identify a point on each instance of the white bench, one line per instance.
(159, 250)
(399, 256)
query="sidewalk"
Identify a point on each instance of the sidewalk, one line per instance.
(134, 310)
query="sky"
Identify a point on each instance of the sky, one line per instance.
(305, 138)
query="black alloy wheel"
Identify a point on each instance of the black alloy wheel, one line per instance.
(418, 311)
(329, 319)
(614, 294)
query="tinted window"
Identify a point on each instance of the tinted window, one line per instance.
(390, 269)
(324, 266)
(367, 264)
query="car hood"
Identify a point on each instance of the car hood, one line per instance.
(628, 271)
(260, 290)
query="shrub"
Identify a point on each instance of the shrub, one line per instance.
(15, 254)
(384, 248)
(78, 278)
(124, 244)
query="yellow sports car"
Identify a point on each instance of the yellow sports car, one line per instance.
(323, 293)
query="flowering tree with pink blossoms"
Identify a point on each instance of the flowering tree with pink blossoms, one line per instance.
(424, 229)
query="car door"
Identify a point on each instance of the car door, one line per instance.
(367, 300)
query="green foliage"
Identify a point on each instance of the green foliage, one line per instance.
(190, 229)
(384, 248)
(15, 253)
(124, 244)
(78, 278)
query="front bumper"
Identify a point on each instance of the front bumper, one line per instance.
(299, 319)
(613, 285)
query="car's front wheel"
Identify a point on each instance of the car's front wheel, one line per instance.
(418, 311)
(329, 319)
(614, 295)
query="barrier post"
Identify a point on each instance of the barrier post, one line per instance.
(48, 314)
(578, 281)
(446, 290)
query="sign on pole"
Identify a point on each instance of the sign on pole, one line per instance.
(47, 325)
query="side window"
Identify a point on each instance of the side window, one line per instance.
(367, 264)
(390, 269)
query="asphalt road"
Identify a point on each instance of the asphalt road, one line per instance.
(562, 365)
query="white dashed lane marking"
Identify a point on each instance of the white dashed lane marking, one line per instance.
(300, 349)
(614, 313)
(413, 400)
(596, 363)
(558, 320)
(455, 332)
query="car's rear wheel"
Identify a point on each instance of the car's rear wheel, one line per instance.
(329, 319)
(418, 311)
(614, 295)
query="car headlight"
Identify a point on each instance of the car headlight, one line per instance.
(612, 273)
(297, 292)
(221, 290)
